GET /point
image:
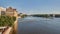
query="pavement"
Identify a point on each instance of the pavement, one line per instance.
(7, 31)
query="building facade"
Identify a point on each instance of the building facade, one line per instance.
(8, 11)
(2, 11)
(11, 12)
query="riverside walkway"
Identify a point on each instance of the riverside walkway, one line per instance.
(7, 31)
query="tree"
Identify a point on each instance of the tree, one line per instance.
(7, 20)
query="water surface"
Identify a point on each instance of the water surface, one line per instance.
(38, 25)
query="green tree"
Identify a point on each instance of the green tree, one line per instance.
(7, 20)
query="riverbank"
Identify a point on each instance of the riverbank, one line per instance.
(15, 27)
(12, 29)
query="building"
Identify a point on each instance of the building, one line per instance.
(2, 11)
(8, 11)
(11, 12)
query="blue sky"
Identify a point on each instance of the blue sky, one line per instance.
(33, 6)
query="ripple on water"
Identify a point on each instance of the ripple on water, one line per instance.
(34, 25)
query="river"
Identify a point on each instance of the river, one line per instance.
(38, 25)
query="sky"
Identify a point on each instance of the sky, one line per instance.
(33, 6)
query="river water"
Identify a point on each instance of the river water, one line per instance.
(38, 25)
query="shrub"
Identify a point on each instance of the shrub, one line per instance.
(7, 20)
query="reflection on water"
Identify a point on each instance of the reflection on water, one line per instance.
(37, 25)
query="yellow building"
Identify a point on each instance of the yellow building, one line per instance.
(11, 12)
